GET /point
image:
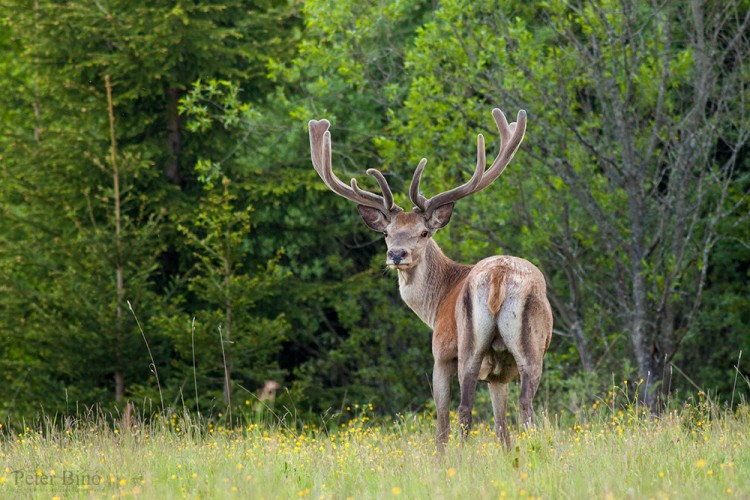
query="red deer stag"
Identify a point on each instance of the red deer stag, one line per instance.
(490, 321)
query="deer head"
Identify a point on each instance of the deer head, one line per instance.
(408, 233)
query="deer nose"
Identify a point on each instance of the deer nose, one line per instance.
(397, 255)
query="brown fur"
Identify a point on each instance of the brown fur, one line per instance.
(445, 335)
(496, 293)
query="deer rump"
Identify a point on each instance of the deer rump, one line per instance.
(499, 308)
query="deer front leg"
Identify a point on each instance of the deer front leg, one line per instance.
(468, 374)
(441, 392)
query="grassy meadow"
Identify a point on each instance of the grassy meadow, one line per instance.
(605, 451)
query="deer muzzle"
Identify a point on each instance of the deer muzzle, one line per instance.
(397, 257)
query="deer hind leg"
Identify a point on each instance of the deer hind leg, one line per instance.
(530, 375)
(499, 396)
(536, 328)
(476, 331)
(468, 374)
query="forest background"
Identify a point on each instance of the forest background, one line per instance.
(191, 203)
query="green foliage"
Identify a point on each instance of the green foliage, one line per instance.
(61, 256)
(634, 170)
(230, 297)
(598, 196)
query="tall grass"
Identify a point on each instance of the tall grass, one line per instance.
(610, 447)
(607, 451)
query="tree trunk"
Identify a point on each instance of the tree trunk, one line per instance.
(174, 140)
(36, 105)
(119, 383)
(119, 378)
(228, 339)
(642, 337)
(666, 350)
(576, 330)
(646, 352)
(227, 396)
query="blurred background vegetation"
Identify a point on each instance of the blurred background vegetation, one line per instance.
(191, 202)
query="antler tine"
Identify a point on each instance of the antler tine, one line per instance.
(384, 187)
(384, 204)
(317, 129)
(459, 192)
(320, 152)
(414, 195)
(511, 137)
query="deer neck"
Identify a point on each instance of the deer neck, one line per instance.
(425, 286)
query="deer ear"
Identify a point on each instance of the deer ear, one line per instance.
(440, 217)
(374, 218)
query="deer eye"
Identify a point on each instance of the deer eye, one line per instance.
(425, 234)
(385, 233)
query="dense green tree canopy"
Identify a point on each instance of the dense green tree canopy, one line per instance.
(174, 245)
